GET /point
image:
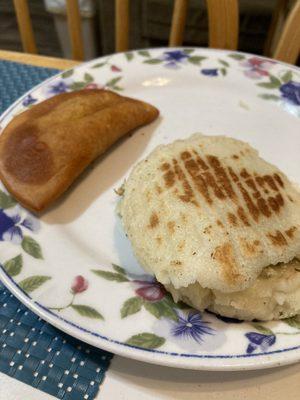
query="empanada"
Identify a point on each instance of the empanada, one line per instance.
(44, 149)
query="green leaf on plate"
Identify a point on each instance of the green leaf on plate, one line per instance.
(131, 306)
(6, 201)
(119, 269)
(153, 309)
(144, 53)
(77, 85)
(188, 51)
(236, 56)
(99, 65)
(118, 88)
(113, 81)
(267, 96)
(146, 340)
(153, 61)
(67, 74)
(275, 80)
(14, 265)
(88, 78)
(110, 276)
(294, 322)
(262, 329)
(161, 309)
(268, 85)
(223, 62)
(196, 59)
(129, 56)
(33, 282)
(87, 311)
(223, 71)
(32, 247)
(287, 76)
(273, 84)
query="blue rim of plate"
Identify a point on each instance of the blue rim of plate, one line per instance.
(55, 319)
(39, 309)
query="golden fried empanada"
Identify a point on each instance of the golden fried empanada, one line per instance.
(45, 148)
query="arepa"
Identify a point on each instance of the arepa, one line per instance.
(208, 211)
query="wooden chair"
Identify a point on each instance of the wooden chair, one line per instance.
(28, 40)
(283, 41)
(223, 18)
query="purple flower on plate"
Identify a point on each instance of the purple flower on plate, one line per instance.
(290, 91)
(259, 341)
(58, 87)
(28, 101)
(192, 326)
(257, 67)
(192, 331)
(149, 290)
(12, 224)
(210, 71)
(174, 57)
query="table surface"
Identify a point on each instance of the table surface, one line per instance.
(129, 380)
(133, 380)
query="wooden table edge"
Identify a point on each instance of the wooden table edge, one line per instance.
(36, 60)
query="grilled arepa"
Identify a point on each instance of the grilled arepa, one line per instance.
(217, 225)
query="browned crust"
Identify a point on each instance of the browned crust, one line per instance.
(197, 179)
(44, 149)
(154, 220)
(225, 257)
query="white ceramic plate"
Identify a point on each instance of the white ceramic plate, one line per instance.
(74, 266)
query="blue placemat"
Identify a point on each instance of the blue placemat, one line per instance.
(31, 350)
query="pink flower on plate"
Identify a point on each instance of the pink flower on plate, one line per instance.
(93, 86)
(114, 68)
(79, 285)
(257, 67)
(149, 290)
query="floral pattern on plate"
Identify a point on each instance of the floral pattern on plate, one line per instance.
(79, 285)
(112, 306)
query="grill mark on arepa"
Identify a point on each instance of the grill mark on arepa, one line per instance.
(203, 179)
(279, 180)
(276, 202)
(250, 248)
(193, 170)
(232, 219)
(242, 215)
(253, 210)
(224, 255)
(213, 179)
(260, 201)
(270, 181)
(221, 176)
(290, 232)
(188, 196)
(277, 239)
(154, 220)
